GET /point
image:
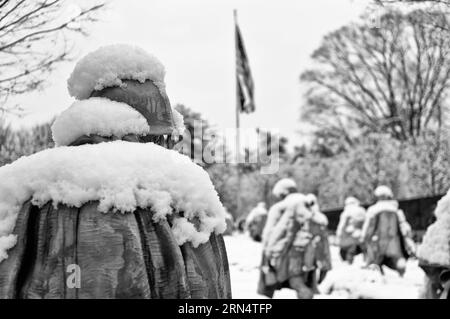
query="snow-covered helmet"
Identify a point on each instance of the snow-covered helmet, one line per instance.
(351, 201)
(128, 75)
(284, 187)
(383, 191)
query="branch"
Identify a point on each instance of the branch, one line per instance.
(60, 27)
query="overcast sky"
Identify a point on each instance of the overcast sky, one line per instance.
(195, 41)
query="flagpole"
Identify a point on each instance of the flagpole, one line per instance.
(238, 102)
(238, 134)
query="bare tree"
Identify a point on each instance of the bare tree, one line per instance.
(427, 5)
(34, 39)
(444, 2)
(392, 79)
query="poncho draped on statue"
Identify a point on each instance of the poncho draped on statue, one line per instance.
(384, 233)
(139, 221)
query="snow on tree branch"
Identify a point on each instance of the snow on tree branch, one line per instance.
(34, 38)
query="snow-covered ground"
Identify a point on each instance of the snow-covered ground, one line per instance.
(344, 281)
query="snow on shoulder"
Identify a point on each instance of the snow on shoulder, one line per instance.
(382, 206)
(109, 65)
(121, 176)
(99, 116)
(355, 212)
(259, 210)
(435, 247)
(296, 205)
(320, 218)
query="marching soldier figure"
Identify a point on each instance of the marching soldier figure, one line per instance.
(256, 220)
(293, 241)
(385, 231)
(349, 229)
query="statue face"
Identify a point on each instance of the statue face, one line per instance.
(145, 98)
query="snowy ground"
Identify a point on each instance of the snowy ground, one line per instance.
(344, 281)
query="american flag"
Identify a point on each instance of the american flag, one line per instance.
(244, 78)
